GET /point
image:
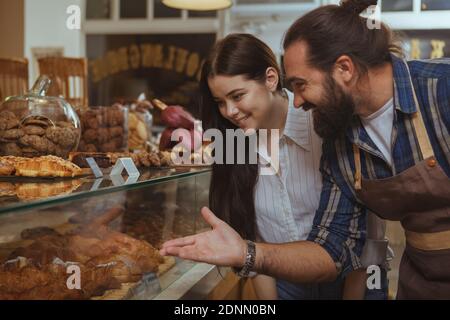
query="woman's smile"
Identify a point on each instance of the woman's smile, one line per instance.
(242, 119)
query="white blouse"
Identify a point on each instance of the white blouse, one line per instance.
(286, 203)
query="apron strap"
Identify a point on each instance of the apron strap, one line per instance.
(357, 156)
(420, 130)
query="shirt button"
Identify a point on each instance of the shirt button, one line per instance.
(431, 163)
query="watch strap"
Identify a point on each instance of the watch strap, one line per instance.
(250, 258)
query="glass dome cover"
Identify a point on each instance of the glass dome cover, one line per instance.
(35, 124)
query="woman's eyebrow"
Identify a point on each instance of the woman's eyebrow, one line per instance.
(229, 93)
(233, 91)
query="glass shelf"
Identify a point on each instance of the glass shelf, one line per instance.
(17, 194)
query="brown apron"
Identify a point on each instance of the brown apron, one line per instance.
(419, 198)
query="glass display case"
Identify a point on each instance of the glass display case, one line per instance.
(98, 238)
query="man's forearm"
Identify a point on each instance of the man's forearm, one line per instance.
(301, 261)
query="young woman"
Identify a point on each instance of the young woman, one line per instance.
(241, 89)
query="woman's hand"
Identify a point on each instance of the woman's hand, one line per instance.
(221, 246)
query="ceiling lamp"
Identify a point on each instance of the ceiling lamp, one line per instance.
(199, 5)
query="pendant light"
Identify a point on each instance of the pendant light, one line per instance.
(199, 5)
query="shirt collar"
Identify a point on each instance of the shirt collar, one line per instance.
(403, 89)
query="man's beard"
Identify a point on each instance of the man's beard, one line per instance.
(335, 113)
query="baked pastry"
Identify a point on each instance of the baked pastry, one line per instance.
(130, 258)
(7, 189)
(35, 136)
(105, 257)
(45, 249)
(103, 129)
(8, 120)
(93, 247)
(6, 168)
(165, 158)
(49, 281)
(137, 134)
(33, 191)
(36, 143)
(11, 148)
(64, 136)
(47, 166)
(34, 130)
(12, 135)
(37, 121)
(143, 158)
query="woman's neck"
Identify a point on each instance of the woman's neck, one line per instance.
(279, 111)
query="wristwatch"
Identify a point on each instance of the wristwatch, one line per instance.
(250, 258)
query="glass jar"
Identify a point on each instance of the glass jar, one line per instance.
(36, 125)
(104, 129)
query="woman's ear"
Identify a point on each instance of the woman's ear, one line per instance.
(272, 79)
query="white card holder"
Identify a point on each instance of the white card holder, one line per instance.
(128, 165)
(94, 167)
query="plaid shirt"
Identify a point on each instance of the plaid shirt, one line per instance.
(340, 221)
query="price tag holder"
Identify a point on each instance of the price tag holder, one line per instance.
(128, 165)
(94, 167)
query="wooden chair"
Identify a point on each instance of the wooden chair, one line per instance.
(69, 76)
(13, 77)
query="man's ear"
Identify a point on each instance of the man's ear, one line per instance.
(344, 71)
(272, 79)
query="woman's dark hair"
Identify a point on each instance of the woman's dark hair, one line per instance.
(332, 31)
(232, 185)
